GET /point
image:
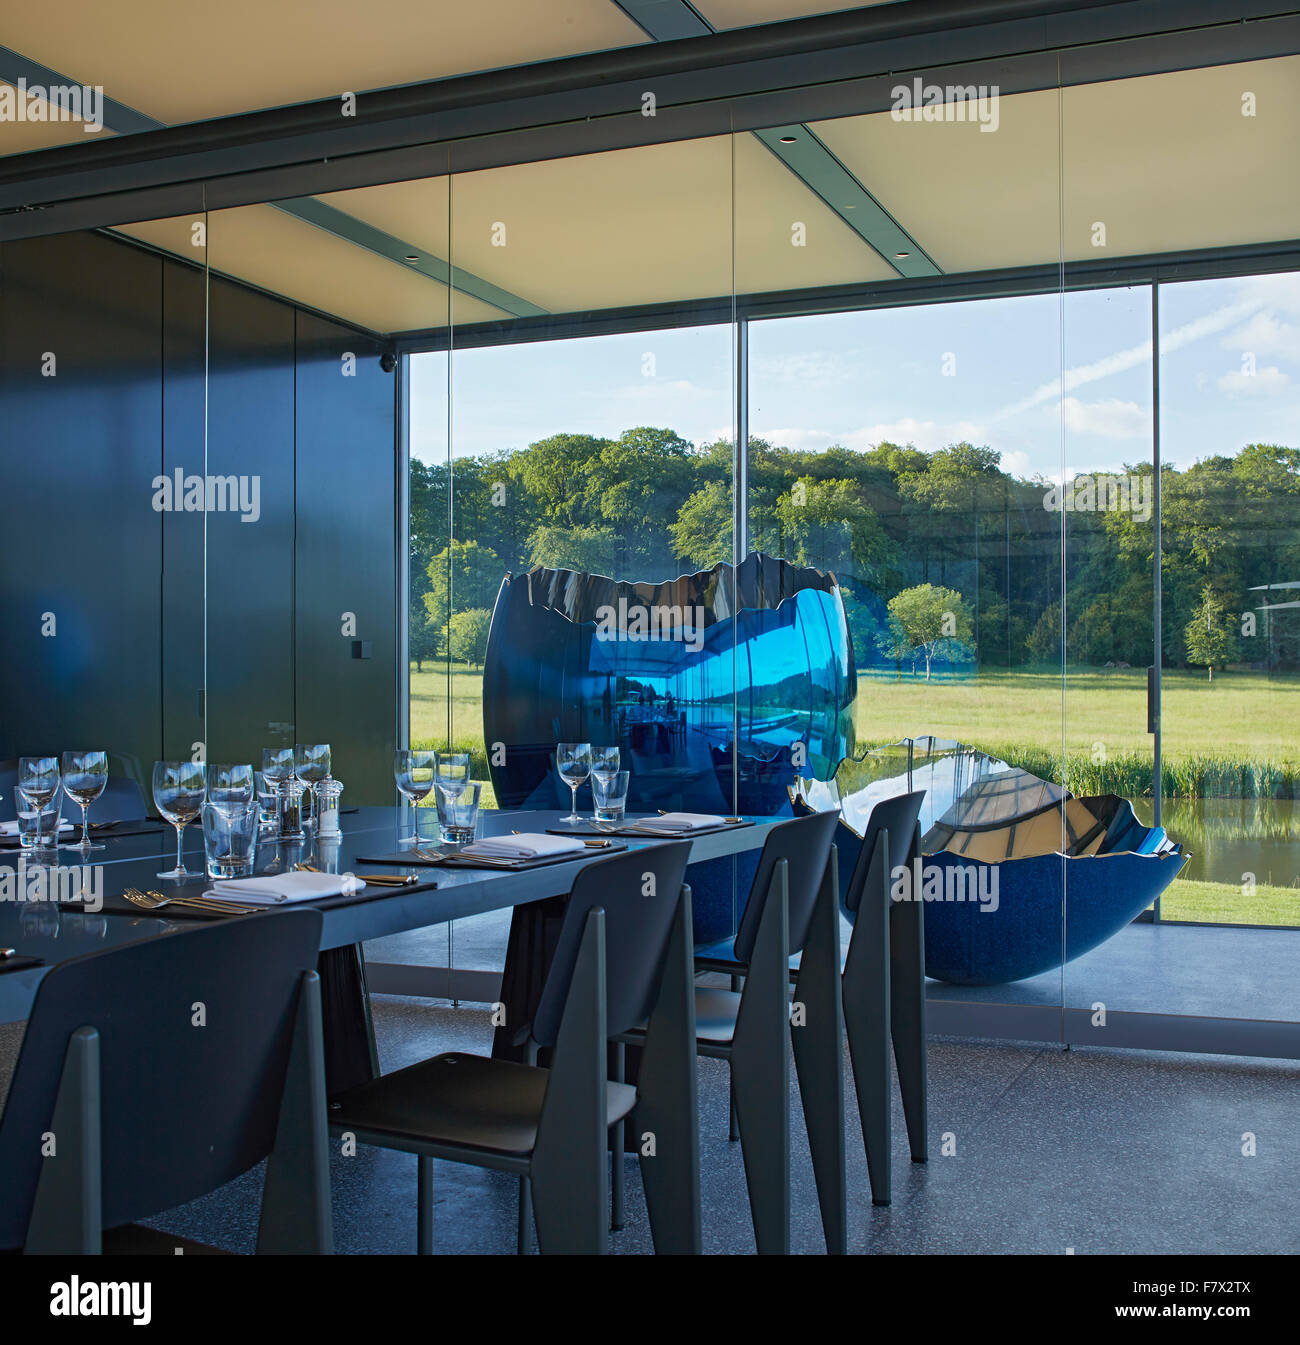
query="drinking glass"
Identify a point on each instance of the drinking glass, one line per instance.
(458, 812)
(414, 773)
(84, 776)
(604, 761)
(573, 761)
(609, 794)
(229, 839)
(277, 771)
(230, 786)
(178, 789)
(38, 828)
(311, 763)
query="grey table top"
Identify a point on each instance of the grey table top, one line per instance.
(43, 929)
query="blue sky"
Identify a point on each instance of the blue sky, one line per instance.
(1049, 383)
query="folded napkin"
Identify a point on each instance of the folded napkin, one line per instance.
(675, 824)
(527, 845)
(275, 888)
(11, 828)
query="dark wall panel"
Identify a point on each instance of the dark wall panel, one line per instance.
(183, 334)
(81, 539)
(176, 627)
(250, 564)
(346, 556)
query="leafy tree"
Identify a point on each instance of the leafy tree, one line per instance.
(461, 576)
(1044, 641)
(1209, 636)
(702, 534)
(469, 635)
(421, 640)
(589, 547)
(929, 615)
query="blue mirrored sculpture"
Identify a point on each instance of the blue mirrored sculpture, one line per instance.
(1002, 857)
(720, 688)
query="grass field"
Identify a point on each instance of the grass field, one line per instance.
(1242, 718)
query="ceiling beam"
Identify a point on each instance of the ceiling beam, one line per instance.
(124, 120)
(802, 153)
(577, 95)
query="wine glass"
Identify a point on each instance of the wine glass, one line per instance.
(573, 761)
(604, 762)
(311, 764)
(230, 787)
(178, 789)
(38, 782)
(414, 773)
(84, 776)
(277, 770)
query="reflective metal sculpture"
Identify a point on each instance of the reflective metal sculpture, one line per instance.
(720, 688)
(1003, 855)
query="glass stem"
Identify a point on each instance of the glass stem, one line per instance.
(573, 789)
(85, 826)
(180, 828)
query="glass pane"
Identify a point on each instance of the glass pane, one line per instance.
(1193, 810)
(900, 440)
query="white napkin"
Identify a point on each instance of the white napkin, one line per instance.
(527, 845)
(677, 823)
(11, 828)
(274, 888)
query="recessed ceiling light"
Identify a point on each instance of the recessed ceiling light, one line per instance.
(787, 140)
(411, 257)
(902, 254)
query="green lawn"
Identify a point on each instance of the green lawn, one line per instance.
(1224, 903)
(1244, 716)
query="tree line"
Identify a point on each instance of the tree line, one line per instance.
(943, 557)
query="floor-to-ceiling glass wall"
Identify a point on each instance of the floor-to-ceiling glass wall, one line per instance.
(1181, 475)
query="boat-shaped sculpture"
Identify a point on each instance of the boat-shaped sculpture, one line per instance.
(1017, 874)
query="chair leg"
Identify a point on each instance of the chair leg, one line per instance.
(818, 1036)
(733, 1124)
(424, 1201)
(760, 1073)
(907, 1011)
(867, 1021)
(618, 1150)
(524, 1241)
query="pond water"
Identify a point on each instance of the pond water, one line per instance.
(1228, 838)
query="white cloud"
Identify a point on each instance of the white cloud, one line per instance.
(1134, 356)
(1111, 419)
(1263, 334)
(1015, 463)
(927, 435)
(1262, 383)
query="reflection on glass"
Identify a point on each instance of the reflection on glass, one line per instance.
(413, 772)
(573, 762)
(85, 775)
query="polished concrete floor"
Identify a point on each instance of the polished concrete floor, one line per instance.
(1032, 1150)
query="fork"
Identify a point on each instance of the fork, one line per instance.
(155, 901)
(381, 879)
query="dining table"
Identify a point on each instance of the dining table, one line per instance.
(44, 933)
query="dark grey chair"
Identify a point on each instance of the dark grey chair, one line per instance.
(153, 1073)
(624, 958)
(884, 987)
(793, 908)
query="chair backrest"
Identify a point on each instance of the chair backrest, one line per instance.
(898, 817)
(638, 892)
(805, 844)
(195, 1031)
